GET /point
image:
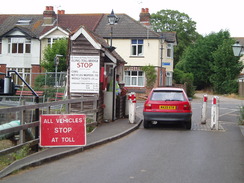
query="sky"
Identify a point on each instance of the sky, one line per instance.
(210, 15)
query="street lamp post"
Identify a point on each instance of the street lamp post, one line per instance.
(56, 62)
(112, 20)
(237, 49)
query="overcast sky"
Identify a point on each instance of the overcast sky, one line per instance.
(210, 15)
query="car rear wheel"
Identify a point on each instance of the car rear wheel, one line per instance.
(147, 124)
(188, 125)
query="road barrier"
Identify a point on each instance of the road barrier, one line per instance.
(204, 109)
(215, 113)
(132, 107)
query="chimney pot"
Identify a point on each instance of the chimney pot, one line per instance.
(145, 17)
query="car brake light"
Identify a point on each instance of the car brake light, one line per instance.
(148, 106)
(187, 107)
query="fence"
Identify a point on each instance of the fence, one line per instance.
(27, 123)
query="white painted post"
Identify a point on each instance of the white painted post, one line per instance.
(215, 113)
(204, 109)
(132, 107)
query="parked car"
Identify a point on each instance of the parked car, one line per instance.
(167, 104)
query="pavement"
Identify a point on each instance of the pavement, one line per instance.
(103, 133)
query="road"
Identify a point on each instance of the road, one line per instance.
(164, 154)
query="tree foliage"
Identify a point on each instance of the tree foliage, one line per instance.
(225, 69)
(185, 78)
(150, 75)
(175, 21)
(59, 47)
(212, 62)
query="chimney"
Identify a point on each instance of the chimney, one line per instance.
(61, 12)
(145, 17)
(49, 16)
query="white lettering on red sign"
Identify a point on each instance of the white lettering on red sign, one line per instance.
(62, 130)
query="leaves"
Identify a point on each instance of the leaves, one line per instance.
(175, 21)
(150, 75)
(59, 47)
(212, 63)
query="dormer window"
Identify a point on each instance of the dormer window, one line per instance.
(23, 22)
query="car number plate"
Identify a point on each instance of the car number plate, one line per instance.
(167, 107)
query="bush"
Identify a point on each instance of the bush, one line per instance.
(180, 77)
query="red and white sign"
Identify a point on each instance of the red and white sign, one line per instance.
(84, 74)
(62, 130)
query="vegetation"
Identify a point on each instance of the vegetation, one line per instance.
(212, 63)
(206, 61)
(225, 69)
(60, 47)
(150, 75)
(181, 78)
(6, 160)
(175, 21)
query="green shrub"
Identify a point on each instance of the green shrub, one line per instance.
(181, 78)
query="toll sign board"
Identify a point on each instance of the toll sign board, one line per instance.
(62, 130)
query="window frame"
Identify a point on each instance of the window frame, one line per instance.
(137, 47)
(169, 51)
(51, 41)
(19, 45)
(132, 78)
(25, 73)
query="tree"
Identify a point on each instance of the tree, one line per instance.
(208, 60)
(225, 69)
(185, 78)
(59, 47)
(174, 21)
(150, 75)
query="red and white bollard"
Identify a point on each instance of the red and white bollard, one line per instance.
(215, 113)
(132, 107)
(204, 109)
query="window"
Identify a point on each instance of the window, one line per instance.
(169, 50)
(27, 46)
(25, 73)
(134, 78)
(19, 45)
(137, 47)
(23, 22)
(51, 41)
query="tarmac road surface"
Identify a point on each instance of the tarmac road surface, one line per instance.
(165, 153)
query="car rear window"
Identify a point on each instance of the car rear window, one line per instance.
(168, 96)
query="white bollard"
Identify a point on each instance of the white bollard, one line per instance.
(204, 109)
(132, 107)
(215, 113)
